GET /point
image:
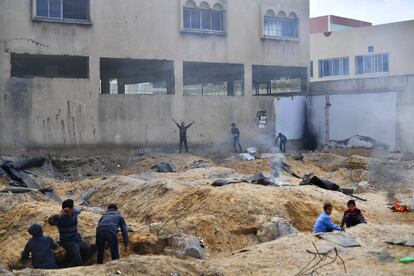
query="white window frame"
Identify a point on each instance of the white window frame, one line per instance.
(279, 29)
(341, 68)
(374, 64)
(263, 15)
(201, 30)
(60, 19)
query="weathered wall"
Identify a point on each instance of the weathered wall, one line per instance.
(290, 116)
(381, 108)
(397, 39)
(43, 112)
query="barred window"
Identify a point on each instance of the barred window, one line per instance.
(203, 18)
(280, 26)
(63, 9)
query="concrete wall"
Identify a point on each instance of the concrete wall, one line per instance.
(290, 116)
(396, 39)
(44, 112)
(354, 114)
(381, 108)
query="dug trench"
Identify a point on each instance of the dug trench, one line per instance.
(228, 220)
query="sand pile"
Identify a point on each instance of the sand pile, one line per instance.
(157, 205)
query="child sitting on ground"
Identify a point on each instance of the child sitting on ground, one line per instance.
(352, 216)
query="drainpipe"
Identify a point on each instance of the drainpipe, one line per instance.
(327, 107)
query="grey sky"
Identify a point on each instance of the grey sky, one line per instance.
(375, 11)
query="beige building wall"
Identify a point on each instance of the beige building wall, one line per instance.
(396, 39)
(45, 112)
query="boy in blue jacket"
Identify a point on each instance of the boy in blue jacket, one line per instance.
(324, 223)
(107, 232)
(69, 237)
(40, 247)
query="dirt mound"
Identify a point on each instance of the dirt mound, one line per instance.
(157, 205)
(284, 256)
(287, 256)
(227, 218)
(181, 162)
(136, 265)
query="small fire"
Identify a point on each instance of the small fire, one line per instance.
(400, 208)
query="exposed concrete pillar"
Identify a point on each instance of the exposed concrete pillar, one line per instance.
(178, 103)
(248, 80)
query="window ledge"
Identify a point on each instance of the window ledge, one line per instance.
(64, 20)
(282, 38)
(207, 32)
(284, 94)
(335, 77)
(135, 95)
(372, 74)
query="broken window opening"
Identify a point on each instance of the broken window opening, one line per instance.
(63, 10)
(272, 80)
(49, 66)
(136, 76)
(213, 79)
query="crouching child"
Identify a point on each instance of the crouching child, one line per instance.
(40, 247)
(107, 233)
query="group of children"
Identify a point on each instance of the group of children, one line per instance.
(41, 247)
(352, 216)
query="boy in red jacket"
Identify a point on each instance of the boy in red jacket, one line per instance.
(352, 216)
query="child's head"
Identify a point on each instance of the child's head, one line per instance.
(327, 208)
(351, 205)
(68, 203)
(35, 230)
(112, 207)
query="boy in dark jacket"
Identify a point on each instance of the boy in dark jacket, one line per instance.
(69, 237)
(183, 133)
(107, 232)
(235, 132)
(40, 247)
(352, 216)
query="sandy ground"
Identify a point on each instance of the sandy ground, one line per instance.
(226, 218)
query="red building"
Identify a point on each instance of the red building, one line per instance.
(332, 23)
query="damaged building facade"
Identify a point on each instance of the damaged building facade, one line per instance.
(95, 73)
(362, 83)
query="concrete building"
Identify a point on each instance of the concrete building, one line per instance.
(333, 23)
(362, 84)
(114, 73)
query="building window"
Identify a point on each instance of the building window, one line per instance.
(48, 66)
(136, 76)
(273, 80)
(280, 26)
(63, 10)
(203, 19)
(378, 63)
(334, 67)
(213, 79)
